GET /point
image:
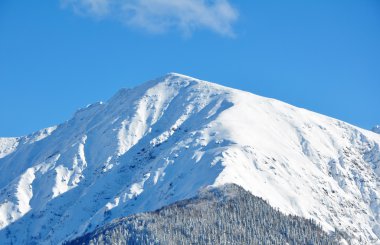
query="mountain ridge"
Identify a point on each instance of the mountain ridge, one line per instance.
(169, 137)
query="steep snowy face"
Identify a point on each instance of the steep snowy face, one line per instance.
(376, 129)
(164, 140)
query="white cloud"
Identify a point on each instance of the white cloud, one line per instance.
(97, 8)
(162, 15)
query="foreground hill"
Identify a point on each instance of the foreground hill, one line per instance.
(223, 215)
(163, 141)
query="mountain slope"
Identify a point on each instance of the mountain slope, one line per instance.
(223, 215)
(161, 142)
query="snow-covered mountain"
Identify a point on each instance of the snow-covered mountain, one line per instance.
(162, 141)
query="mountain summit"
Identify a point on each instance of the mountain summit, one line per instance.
(163, 141)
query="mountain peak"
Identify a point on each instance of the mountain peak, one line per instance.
(376, 129)
(175, 82)
(178, 80)
(175, 79)
(171, 79)
(178, 75)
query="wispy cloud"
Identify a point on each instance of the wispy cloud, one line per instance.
(162, 15)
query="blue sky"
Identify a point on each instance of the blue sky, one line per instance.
(59, 55)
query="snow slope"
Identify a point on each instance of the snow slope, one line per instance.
(164, 140)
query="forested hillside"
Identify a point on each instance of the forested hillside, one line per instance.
(225, 215)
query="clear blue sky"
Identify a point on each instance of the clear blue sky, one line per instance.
(57, 56)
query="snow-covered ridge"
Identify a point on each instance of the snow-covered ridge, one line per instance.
(9, 145)
(164, 140)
